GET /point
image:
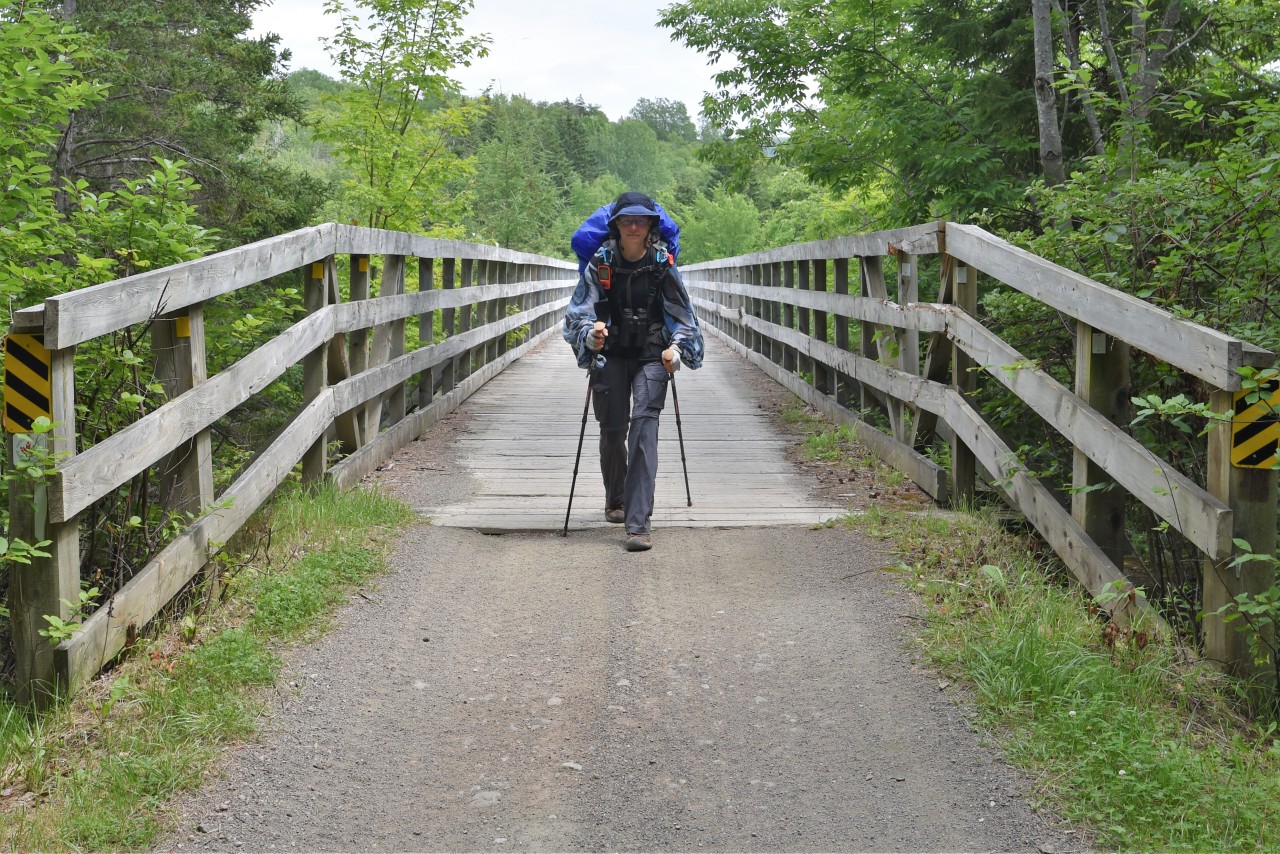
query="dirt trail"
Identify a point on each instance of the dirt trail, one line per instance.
(730, 690)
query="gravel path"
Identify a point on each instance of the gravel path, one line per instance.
(730, 690)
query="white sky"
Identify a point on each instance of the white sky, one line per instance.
(611, 53)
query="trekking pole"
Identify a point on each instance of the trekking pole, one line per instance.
(591, 372)
(675, 399)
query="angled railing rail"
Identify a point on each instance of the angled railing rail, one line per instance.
(844, 346)
(817, 317)
(362, 389)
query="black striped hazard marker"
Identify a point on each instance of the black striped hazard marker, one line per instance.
(1255, 428)
(26, 381)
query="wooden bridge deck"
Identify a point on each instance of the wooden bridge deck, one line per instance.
(522, 433)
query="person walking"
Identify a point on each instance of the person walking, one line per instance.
(647, 330)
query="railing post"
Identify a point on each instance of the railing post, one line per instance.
(803, 321)
(358, 343)
(389, 340)
(846, 386)
(866, 333)
(315, 375)
(448, 325)
(880, 344)
(790, 362)
(1102, 381)
(964, 466)
(908, 341)
(45, 585)
(506, 273)
(909, 292)
(823, 380)
(465, 321)
(754, 308)
(484, 312)
(776, 347)
(186, 475)
(426, 331)
(1251, 494)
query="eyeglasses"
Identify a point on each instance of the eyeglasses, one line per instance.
(633, 222)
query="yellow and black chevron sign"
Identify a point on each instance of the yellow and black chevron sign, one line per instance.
(26, 381)
(1255, 428)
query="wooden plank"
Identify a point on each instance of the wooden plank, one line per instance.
(368, 313)
(1202, 518)
(921, 317)
(373, 241)
(355, 468)
(92, 474)
(923, 471)
(1202, 352)
(378, 380)
(78, 316)
(738, 470)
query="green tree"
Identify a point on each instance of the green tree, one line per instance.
(936, 103)
(720, 226)
(393, 126)
(60, 235)
(516, 200)
(186, 83)
(669, 119)
(630, 150)
(42, 91)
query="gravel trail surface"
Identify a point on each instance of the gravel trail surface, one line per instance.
(730, 690)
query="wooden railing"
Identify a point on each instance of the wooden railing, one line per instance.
(817, 317)
(361, 389)
(790, 312)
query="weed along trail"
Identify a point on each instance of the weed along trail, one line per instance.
(742, 688)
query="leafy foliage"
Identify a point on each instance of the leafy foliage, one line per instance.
(392, 127)
(187, 84)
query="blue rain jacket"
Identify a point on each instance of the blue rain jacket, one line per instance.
(679, 321)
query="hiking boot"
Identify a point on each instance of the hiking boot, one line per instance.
(639, 542)
(614, 514)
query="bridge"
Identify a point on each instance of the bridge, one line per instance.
(839, 323)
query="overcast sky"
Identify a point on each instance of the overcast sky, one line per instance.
(611, 53)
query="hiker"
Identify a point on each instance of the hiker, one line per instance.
(632, 285)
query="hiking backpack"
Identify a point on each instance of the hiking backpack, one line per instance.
(595, 230)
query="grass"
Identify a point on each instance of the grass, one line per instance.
(1126, 734)
(95, 773)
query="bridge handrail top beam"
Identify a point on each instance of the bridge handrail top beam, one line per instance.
(72, 318)
(913, 240)
(359, 240)
(1199, 350)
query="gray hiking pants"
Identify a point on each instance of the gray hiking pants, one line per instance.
(627, 397)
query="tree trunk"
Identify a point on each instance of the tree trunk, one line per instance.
(1046, 95)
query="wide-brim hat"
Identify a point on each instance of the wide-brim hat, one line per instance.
(633, 204)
